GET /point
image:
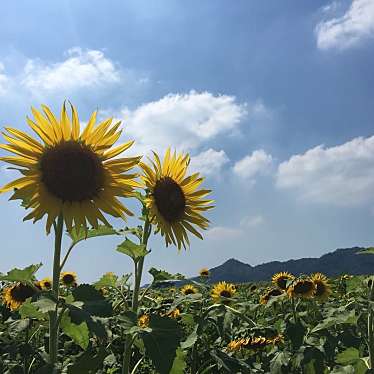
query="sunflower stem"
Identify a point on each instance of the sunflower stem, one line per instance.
(138, 271)
(370, 328)
(53, 321)
(294, 309)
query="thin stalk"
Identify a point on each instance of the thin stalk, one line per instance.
(294, 309)
(138, 271)
(67, 255)
(53, 326)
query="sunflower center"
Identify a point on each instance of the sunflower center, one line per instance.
(282, 283)
(72, 171)
(275, 292)
(320, 289)
(21, 292)
(68, 278)
(303, 287)
(189, 291)
(225, 293)
(169, 199)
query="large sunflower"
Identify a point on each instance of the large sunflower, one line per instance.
(70, 172)
(14, 296)
(304, 288)
(323, 289)
(174, 202)
(223, 292)
(280, 279)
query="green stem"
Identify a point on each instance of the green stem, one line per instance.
(53, 326)
(370, 329)
(67, 255)
(294, 309)
(138, 271)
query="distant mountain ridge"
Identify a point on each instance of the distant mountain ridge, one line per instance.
(341, 261)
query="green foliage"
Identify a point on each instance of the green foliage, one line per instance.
(133, 250)
(162, 275)
(21, 275)
(79, 235)
(78, 332)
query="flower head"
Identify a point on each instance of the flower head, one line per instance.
(189, 289)
(204, 273)
(174, 201)
(280, 279)
(70, 172)
(321, 283)
(143, 321)
(68, 278)
(269, 294)
(304, 288)
(223, 292)
(14, 296)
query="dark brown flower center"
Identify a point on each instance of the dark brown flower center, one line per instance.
(225, 293)
(189, 291)
(169, 199)
(303, 287)
(72, 171)
(275, 292)
(68, 278)
(320, 289)
(47, 284)
(282, 282)
(21, 292)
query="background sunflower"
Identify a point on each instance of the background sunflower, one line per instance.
(175, 204)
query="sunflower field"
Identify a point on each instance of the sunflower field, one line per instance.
(76, 179)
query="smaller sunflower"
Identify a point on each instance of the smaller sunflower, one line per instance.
(189, 289)
(14, 296)
(269, 294)
(304, 288)
(69, 278)
(38, 285)
(175, 313)
(280, 279)
(276, 339)
(223, 292)
(46, 283)
(237, 344)
(204, 273)
(258, 342)
(323, 289)
(253, 288)
(143, 321)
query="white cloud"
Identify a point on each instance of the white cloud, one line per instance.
(356, 25)
(341, 175)
(3, 80)
(222, 233)
(259, 162)
(252, 221)
(80, 69)
(209, 162)
(183, 121)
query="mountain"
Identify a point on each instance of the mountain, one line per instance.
(341, 261)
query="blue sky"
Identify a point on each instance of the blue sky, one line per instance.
(273, 100)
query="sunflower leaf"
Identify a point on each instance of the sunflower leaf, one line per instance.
(162, 342)
(21, 275)
(29, 310)
(79, 235)
(107, 280)
(162, 275)
(88, 362)
(179, 364)
(44, 305)
(78, 333)
(135, 251)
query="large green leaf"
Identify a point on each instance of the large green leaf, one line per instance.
(135, 251)
(295, 332)
(162, 275)
(161, 344)
(94, 302)
(78, 333)
(349, 356)
(29, 310)
(79, 235)
(348, 317)
(280, 361)
(88, 363)
(21, 275)
(44, 305)
(179, 364)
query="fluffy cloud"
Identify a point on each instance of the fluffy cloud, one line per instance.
(341, 175)
(356, 25)
(3, 80)
(80, 69)
(184, 121)
(222, 233)
(209, 162)
(259, 162)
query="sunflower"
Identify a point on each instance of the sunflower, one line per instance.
(71, 173)
(68, 278)
(143, 321)
(174, 202)
(189, 289)
(280, 279)
(204, 273)
(269, 294)
(222, 292)
(175, 313)
(323, 289)
(46, 283)
(14, 296)
(304, 288)
(237, 344)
